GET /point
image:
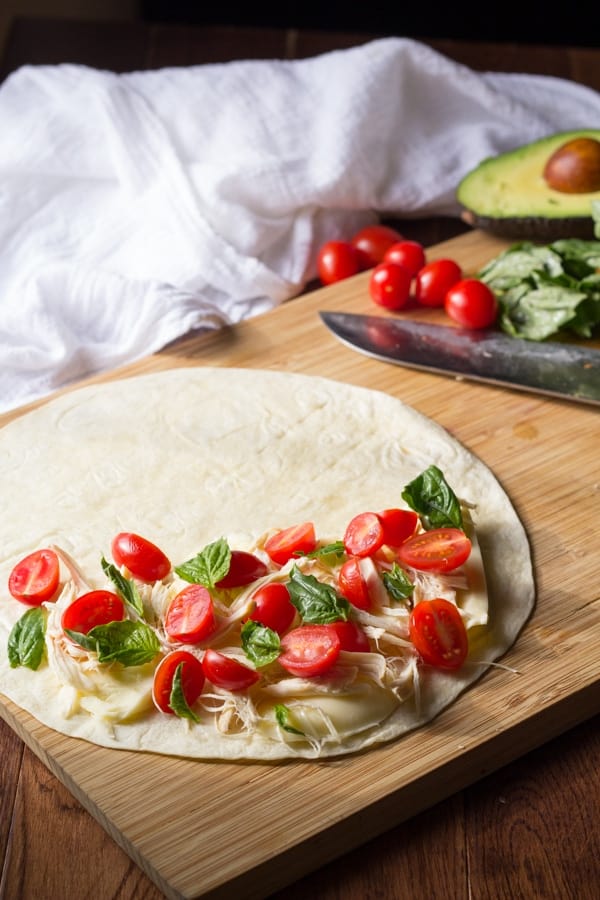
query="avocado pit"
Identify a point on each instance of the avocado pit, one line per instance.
(574, 168)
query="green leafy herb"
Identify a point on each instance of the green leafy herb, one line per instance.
(260, 644)
(336, 548)
(26, 641)
(129, 643)
(282, 714)
(397, 583)
(316, 602)
(209, 566)
(433, 499)
(177, 700)
(125, 588)
(544, 290)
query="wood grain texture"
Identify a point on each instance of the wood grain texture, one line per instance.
(161, 811)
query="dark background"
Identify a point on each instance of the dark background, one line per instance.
(529, 21)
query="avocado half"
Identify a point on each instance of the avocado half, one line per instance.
(508, 196)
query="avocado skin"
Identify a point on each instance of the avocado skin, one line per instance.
(533, 228)
(507, 196)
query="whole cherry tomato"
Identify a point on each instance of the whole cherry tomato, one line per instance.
(227, 672)
(273, 607)
(434, 281)
(337, 260)
(471, 303)
(91, 609)
(35, 578)
(143, 558)
(398, 525)
(372, 241)
(352, 637)
(389, 285)
(410, 254)
(438, 632)
(243, 569)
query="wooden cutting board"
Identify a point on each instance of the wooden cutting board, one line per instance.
(219, 829)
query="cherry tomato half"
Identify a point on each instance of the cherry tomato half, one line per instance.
(471, 303)
(389, 285)
(226, 672)
(409, 254)
(438, 632)
(310, 650)
(35, 578)
(352, 637)
(192, 679)
(143, 558)
(273, 607)
(352, 585)
(398, 525)
(289, 542)
(364, 535)
(434, 281)
(440, 550)
(337, 260)
(244, 568)
(190, 616)
(91, 609)
(372, 241)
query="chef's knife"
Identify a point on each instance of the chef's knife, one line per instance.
(562, 370)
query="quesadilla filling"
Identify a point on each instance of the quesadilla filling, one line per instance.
(295, 639)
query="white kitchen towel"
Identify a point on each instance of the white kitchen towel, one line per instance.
(135, 208)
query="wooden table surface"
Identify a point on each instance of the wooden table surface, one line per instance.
(529, 830)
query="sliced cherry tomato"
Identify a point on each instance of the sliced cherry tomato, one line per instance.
(389, 285)
(310, 650)
(91, 609)
(226, 672)
(438, 632)
(434, 281)
(337, 260)
(410, 254)
(192, 679)
(243, 569)
(292, 541)
(190, 616)
(273, 607)
(471, 303)
(143, 559)
(35, 578)
(372, 241)
(364, 535)
(352, 637)
(398, 525)
(440, 550)
(352, 585)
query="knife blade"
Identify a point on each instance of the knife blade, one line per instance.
(568, 371)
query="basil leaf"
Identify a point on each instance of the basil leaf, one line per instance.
(26, 641)
(129, 643)
(209, 566)
(316, 602)
(334, 549)
(397, 583)
(282, 714)
(177, 701)
(433, 499)
(260, 644)
(125, 588)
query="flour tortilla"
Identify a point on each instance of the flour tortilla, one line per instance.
(188, 455)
